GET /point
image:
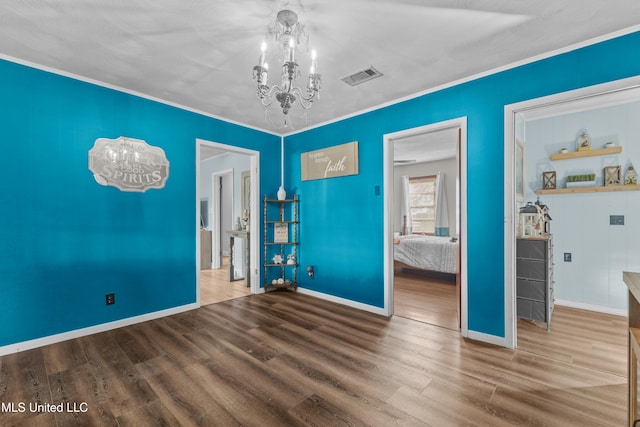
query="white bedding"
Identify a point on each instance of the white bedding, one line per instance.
(427, 252)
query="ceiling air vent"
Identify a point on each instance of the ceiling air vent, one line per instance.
(361, 76)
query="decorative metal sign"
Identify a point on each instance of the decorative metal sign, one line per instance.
(128, 164)
(339, 160)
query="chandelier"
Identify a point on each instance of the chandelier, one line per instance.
(287, 33)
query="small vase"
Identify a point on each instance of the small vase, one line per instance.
(281, 193)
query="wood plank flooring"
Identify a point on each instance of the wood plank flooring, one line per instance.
(426, 298)
(287, 359)
(215, 285)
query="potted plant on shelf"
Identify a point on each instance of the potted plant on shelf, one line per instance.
(584, 180)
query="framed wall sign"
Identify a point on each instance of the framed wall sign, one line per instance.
(128, 164)
(331, 162)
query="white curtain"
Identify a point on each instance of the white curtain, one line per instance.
(442, 213)
(406, 207)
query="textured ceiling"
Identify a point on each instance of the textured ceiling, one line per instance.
(199, 54)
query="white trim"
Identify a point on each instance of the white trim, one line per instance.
(53, 339)
(609, 89)
(254, 240)
(592, 307)
(490, 339)
(387, 148)
(552, 53)
(343, 301)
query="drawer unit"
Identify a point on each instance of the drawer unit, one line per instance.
(534, 278)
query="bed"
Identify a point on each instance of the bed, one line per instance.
(430, 253)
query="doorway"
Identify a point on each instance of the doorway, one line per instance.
(593, 244)
(438, 284)
(227, 181)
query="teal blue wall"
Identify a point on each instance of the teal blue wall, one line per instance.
(67, 241)
(342, 218)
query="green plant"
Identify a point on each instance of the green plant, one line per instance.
(581, 178)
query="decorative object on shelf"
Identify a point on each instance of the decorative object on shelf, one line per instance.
(584, 180)
(584, 141)
(549, 180)
(286, 33)
(280, 232)
(274, 282)
(238, 225)
(291, 259)
(245, 219)
(609, 144)
(277, 259)
(280, 281)
(534, 219)
(563, 150)
(631, 176)
(282, 195)
(612, 175)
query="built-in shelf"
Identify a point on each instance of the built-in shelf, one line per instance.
(586, 153)
(601, 189)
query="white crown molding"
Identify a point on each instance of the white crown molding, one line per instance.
(497, 70)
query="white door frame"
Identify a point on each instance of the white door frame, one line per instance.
(254, 223)
(387, 145)
(216, 209)
(598, 95)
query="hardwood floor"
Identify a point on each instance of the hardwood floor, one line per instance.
(426, 298)
(287, 359)
(215, 285)
(579, 337)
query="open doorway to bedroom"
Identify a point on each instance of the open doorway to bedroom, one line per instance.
(227, 237)
(424, 220)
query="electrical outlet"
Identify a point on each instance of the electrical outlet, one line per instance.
(616, 219)
(567, 257)
(111, 299)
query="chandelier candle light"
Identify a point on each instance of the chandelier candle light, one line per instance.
(288, 33)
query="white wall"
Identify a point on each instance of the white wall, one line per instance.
(449, 167)
(580, 224)
(239, 163)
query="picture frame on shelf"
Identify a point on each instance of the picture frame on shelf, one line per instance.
(612, 176)
(549, 180)
(280, 232)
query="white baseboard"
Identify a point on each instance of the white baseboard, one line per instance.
(52, 339)
(592, 307)
(343, 301)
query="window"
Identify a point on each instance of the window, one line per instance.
(422, 202)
